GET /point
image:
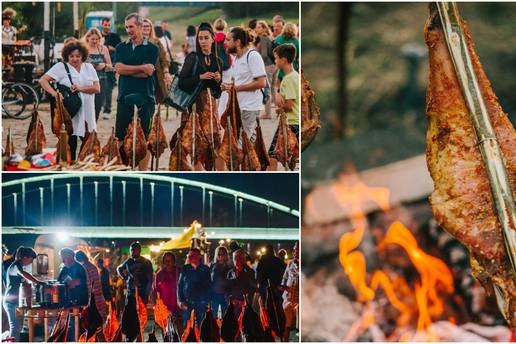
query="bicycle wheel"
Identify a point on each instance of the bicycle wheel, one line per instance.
(19, 99)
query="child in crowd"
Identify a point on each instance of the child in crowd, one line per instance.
(287, 99)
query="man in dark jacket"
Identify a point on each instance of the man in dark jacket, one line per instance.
(137, 272)
(270, 268)
(241, 281)
(104, 280)
(193, 291)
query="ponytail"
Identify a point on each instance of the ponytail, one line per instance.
(245, 36)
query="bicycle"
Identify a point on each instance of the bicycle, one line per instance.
(19, 99)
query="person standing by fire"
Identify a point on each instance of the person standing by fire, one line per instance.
(137, 273)
(15, 275)
(93, 278)
(194, 286)
(241, 281)
(74, 276)
(165, 283)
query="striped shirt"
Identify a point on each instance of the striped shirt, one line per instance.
(92, 276)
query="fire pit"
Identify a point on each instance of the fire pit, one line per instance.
(394, 274)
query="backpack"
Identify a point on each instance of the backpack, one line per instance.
(223, 55)
(266, 91)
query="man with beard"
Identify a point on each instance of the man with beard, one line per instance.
(248, 71)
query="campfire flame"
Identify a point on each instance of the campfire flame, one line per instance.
(423, 297)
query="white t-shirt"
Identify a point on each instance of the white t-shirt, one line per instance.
(245, 73)
(86, 77)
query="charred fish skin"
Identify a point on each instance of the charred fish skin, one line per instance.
(461, 201)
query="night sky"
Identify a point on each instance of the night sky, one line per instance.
(278, 187)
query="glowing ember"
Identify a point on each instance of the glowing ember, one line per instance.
(423, 298)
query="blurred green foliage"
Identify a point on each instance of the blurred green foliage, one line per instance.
(386, 107)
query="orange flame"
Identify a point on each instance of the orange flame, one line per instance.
(191, 326)
(112, 324)
(435, 275)
(160, 313)
(142, 313)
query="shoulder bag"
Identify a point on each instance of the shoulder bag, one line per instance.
(182, 100)
(71, 100)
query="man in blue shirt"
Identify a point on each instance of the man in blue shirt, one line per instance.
(135, 63)
(194, 287)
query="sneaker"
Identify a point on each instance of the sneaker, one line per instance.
(106, 115)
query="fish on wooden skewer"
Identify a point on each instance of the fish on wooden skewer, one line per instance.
(111, 149)
(172, 333)
(232, 112)
(310, 113)
(209, 331)
(191, 333)
(462, 201)
(275, 312)
(63, 153)
(9, 144)
(36, 140)
(252, 330)
(287, 147)
(250, 160)
(157, 139)
(259, 147)
(178, 160)
(210, 126)
(193, 140)
(91, 145)
(61, 116)
(228, 150)
(130, 323)
(229, 329)
(135, 144)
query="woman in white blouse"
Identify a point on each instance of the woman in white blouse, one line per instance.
(85, 81)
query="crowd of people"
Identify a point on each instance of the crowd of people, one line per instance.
(229, 277)
(260, 61)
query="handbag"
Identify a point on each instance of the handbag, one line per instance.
(71, 100)
(182, 100)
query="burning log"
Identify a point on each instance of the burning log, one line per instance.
(275, 312)
(252, 330)
(287, 147)
(61, 117)
(210, 331)
(472, 197)
(36, 140)
(191, 333)
(310, 114)
(229, 328)
(228, 150)
(91, 145)
(135, 146)
(111, 150)
(178, 161)
(259, 147)
(250, 160)
(157, 139)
